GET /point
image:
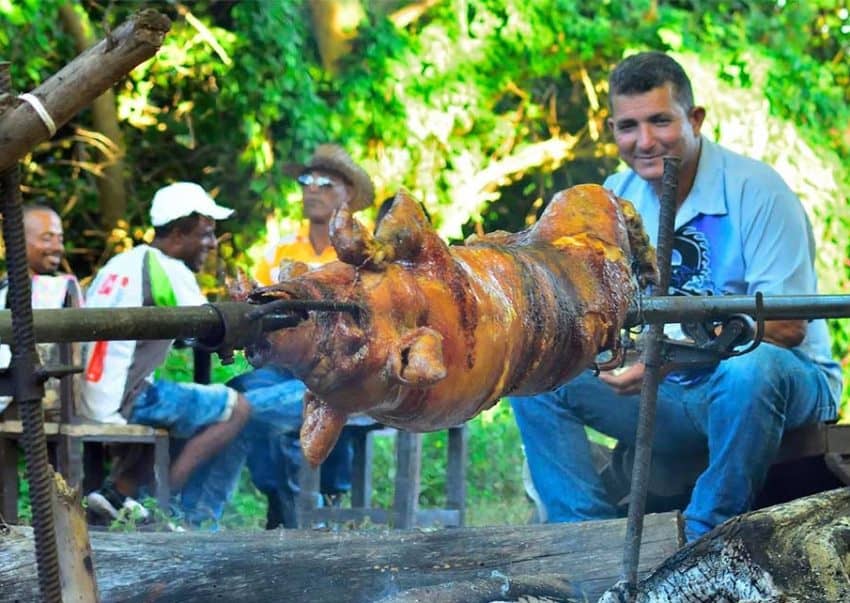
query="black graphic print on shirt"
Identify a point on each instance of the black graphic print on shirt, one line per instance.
(691, 263)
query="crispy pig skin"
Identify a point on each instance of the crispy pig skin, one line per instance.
(447, 331)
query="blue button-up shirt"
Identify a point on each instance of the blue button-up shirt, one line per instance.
(740, 230)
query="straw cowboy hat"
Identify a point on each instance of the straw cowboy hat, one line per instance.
(334, 159)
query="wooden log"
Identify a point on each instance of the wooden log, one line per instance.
(498, 588)
(797, 551)
(76, 85)
(355, 567)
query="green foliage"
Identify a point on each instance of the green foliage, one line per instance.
(31, 44)
(179, 366)
(24, 507)
(247, 509)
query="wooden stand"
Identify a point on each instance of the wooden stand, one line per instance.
(405, 512)
(76, 571)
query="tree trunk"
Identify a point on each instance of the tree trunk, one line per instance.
(110, 184)
(796, 551)
(334, 25)
(354, 567)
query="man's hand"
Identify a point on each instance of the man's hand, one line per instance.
(625, 383)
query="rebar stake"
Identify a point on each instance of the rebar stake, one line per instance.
(652, 377)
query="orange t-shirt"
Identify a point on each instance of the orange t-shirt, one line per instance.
(297, 249)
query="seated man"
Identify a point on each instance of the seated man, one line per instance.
(739, 230)
(50, 288)
(329, 179)
(118, 384)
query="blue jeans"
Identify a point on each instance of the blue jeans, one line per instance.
(736, 414)
(276, 404)
(270, 446)
(182, 408)
(275, 457)
(335, 476)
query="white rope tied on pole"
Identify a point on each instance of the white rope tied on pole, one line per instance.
(39, 109)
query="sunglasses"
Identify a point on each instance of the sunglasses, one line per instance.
(320, 181)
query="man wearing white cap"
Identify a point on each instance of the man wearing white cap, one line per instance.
(119, 384)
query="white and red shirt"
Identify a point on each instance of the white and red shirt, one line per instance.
(48, 292)
(117, 371)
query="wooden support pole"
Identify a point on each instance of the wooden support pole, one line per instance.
(80, 82)
(456, 471)
(76, 568)
(408, 462)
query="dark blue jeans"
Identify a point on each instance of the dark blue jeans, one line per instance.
(270, 446)
(736, 414)
(276, 401)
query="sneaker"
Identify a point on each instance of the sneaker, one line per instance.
(108, 502)
(159, 526)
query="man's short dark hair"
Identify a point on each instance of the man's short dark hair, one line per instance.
(37, 205)
(183, 225)
(646, 71)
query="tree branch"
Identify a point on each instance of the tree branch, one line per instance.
(482, 188)
(406, 15)
(110, 173)
(80, 82)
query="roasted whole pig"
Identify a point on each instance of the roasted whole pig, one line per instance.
(444, 332)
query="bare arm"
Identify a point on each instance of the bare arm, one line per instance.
(785, 333)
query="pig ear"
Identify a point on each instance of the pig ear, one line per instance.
(418, 361)
(320, 429)
(403, 229)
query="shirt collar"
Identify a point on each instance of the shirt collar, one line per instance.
(707, 194)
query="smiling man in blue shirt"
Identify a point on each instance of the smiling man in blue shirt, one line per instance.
(739, 229)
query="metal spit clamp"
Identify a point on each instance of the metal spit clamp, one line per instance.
(243, 325)
(712, 342)
(236, 330)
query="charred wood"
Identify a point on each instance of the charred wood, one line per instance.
(796, 551)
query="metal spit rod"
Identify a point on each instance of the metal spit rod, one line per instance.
(652, 377)
(206, 322)
(650, 310)
(240, 323)
(24, 371)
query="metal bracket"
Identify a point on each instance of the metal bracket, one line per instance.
(716, 341)
(42, 374)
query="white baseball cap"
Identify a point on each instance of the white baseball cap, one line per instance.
(182, 199)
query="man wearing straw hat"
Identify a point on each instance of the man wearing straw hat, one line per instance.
(328, 180)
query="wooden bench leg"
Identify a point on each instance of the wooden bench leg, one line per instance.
(408, 461)
(456, 471)
(69, 456)
(361, 478)
(94, 466)
(161, 464)
(9, 480)
(308, 494)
